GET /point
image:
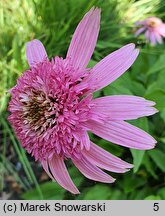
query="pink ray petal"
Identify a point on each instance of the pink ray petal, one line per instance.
(91, 171)
(122, 99)
(147, 35)
(46, 168)
(35, 52)
(161, 29)
(122, 107)
(122, 133)
(152, 38)
(61, 175)
(140, 23)
(139, 31)
(84, 39)
(105, 160)
(112, 66)
(158, 37)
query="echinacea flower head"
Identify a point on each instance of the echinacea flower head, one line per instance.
(52, 108)
(154, 29)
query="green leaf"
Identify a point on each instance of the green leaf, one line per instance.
(137, 88)
(76, 176)
(156, 83)
(132, 182)
(158, 96)
(152, 197)
(110, 147)
(159, 65)
(139, 154)
(161, 192)
(91, 64)
(140, 194)
(158, 157)
(162, 114)
(117, 195)
(137, 158)
(50, 190)
(98, 192)
(120, 86)
(147, 162)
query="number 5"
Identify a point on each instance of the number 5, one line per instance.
(156, 207)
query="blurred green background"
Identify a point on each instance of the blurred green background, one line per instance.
(53, 22)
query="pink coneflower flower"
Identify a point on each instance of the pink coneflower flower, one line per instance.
(52, 108)
(154, 29)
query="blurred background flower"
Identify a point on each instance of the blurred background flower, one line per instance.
(52, 22)
(153, 29)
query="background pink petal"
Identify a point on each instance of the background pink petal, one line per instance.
(147, 35)
(139, 31)
(140, 23)
(158, 37)
(162, 29)
(152, 38)
(91, 171)
(61, 175)
(112, 66)
(35, 52)
(84, 39)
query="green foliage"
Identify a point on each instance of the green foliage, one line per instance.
(139, 154)
(54, 22)
(93, 194)
(158, 157)
(50, 191)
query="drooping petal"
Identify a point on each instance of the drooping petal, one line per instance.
(35, 52)
(122, 133)
(158, 38)
(61, 175)
(139, 31)
(153, 38)
(147, 35)
(162, 29)
(46, 168)
(112, 66)
(91, 171)
(84, 39)
(123, 107)
(140, 23)
(105, 160)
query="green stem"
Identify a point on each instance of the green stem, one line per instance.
(17, 149)
(23, 158)
(32, 174)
